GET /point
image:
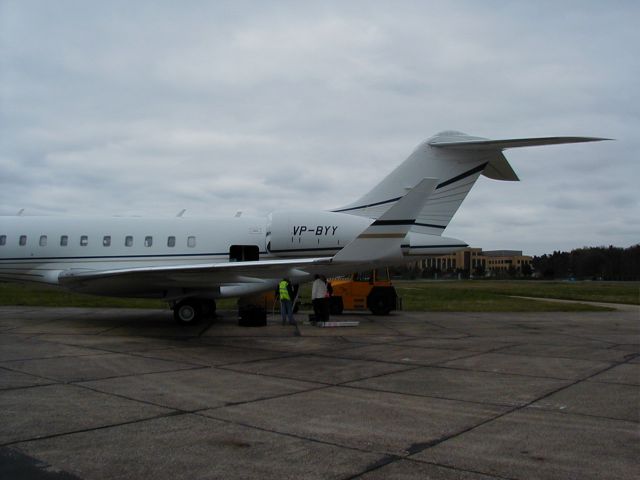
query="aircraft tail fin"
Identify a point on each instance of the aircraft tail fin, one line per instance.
(383, 239)
(457, 160)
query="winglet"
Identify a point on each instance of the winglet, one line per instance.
(382, 240)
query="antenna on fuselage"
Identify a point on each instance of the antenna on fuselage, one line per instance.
(21, 212)
(181, 213)
(238, 213)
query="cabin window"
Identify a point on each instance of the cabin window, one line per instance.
(23, 240)
(148, 241)
(171, 241)
(43, 241)
(84, 240)
(128, 241)
(3, 239)
(64, 240)
(191, 242)
(106, 241)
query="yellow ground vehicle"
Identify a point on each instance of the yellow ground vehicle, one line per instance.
(370, 290)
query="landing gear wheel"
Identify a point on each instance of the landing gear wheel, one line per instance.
(252, 316)
(187, 312)
(209, 308)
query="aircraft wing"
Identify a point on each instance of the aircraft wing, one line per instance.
(190, 276)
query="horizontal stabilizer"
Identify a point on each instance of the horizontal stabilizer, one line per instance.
(509, 143)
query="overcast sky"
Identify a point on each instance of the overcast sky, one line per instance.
(146, 108)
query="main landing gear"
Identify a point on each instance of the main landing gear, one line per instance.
(191, 310)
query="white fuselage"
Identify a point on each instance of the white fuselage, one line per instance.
(55, 244)
(38, 249)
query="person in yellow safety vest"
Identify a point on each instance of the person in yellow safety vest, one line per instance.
(285, 292)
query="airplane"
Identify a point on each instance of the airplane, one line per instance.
(191, 262)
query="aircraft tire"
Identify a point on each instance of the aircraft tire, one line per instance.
(187, 312)
(208, 308)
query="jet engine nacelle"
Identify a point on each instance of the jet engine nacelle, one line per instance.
(311, 233)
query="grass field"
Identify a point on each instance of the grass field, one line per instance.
(458, 296)
(497, 295)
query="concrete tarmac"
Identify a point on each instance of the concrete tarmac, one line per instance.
(114, 393)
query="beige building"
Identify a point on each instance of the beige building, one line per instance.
(474, 261)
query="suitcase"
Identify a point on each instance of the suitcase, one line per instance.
(252, 317)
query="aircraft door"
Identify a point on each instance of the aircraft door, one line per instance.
(244, 253)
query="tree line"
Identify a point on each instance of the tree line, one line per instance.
(597, 263)
(587, 263)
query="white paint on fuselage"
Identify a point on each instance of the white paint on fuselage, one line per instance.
(213, 237)
(42, 258)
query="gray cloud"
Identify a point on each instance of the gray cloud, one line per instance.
(151, 107)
